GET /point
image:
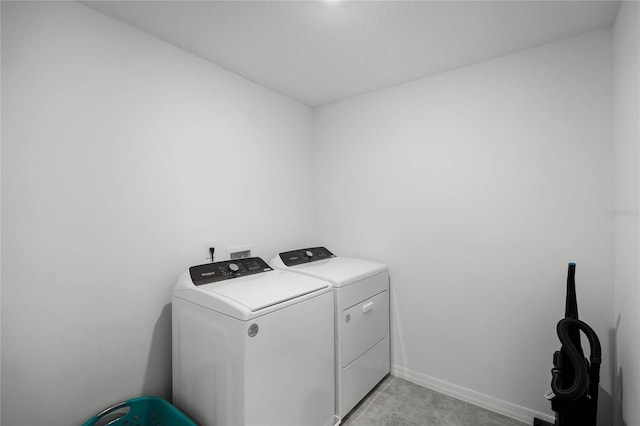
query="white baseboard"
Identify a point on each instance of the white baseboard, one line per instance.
(488, 402)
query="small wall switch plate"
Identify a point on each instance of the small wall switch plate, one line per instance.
(208, 244)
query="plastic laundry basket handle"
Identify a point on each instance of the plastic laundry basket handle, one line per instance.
(104, 413)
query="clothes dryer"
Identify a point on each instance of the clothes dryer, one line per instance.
(253, 346)
(361, 292)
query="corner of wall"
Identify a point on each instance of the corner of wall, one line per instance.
(0, 220)
(626, 62)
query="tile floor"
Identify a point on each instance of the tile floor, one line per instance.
(397, 402)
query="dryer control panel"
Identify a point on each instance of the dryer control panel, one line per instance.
(228, 269)
(297, 257)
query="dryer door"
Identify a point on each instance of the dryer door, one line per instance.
(364, 325)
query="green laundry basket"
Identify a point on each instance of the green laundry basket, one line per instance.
(143, 411)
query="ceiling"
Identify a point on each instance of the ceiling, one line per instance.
(318, 52)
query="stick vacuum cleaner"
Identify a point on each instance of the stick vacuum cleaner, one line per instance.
(574, 383)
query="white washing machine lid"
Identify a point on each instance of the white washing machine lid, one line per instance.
(339, 271)
(250, 296)
(261, 291)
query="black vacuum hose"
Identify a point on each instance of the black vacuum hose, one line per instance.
(582, 382)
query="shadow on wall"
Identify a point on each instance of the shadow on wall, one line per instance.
(157, 378)
(605, 407)
(396, 338)
(620, 420)
(618, 385)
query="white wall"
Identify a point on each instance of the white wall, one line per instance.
(0, 225)
(627, 237)
(477, 186)
(120, 155)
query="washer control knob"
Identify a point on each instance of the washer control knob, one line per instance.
(233, 267)
(308, 253)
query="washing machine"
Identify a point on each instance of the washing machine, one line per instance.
(361, 292)
(253, 346)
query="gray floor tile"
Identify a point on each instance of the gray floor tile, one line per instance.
(377, 415)
(398, 402)
(476, 416)
(421, 405)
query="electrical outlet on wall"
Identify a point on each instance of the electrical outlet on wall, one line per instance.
(208, 245)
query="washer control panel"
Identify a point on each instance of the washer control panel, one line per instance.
(226, 270)
(297, 257)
